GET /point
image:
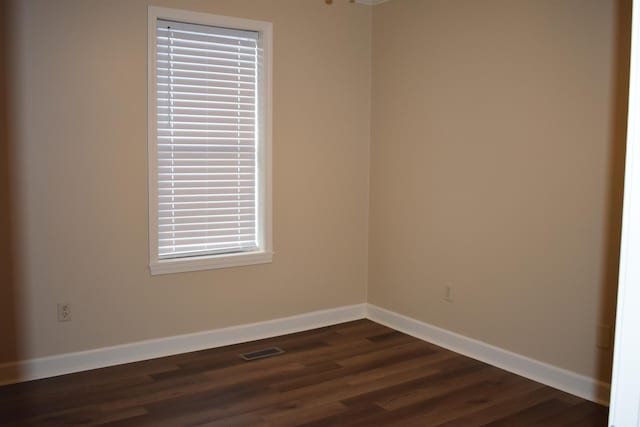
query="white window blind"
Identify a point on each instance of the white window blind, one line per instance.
(207, 136)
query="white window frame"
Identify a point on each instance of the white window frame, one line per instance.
(208, 262)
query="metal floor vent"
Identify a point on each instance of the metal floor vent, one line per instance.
(261, 354)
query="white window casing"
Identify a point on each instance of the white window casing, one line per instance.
(209, 141)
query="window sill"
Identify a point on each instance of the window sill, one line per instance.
(181, 265)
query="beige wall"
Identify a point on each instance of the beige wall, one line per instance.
(496, 165)
(78, 146)
(8, 349)
(497, 155)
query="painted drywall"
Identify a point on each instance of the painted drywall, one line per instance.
(78, 199)
(498, 132)
(8, 350)
(497, 138)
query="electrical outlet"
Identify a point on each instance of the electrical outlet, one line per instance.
(64, 312)
(448, 293)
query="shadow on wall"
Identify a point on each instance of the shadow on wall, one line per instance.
(617, 149)
(9, 344)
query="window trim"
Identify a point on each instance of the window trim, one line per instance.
(264, 222)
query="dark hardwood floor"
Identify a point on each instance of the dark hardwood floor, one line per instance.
(354, 374)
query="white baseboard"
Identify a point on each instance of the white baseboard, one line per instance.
(150, 349)
(571, 382)
(562, 379)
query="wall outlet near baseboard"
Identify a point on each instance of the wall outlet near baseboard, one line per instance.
(64, 312)
(448, 293)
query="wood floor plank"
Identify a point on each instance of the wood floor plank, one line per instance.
(582, 414)
(495, 412)
(353, 374)
(292, 417)
(533, 415)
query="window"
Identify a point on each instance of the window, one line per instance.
(209, 141)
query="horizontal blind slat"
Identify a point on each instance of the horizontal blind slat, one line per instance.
(206, 98)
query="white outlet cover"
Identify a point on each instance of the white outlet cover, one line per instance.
(64, 312)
